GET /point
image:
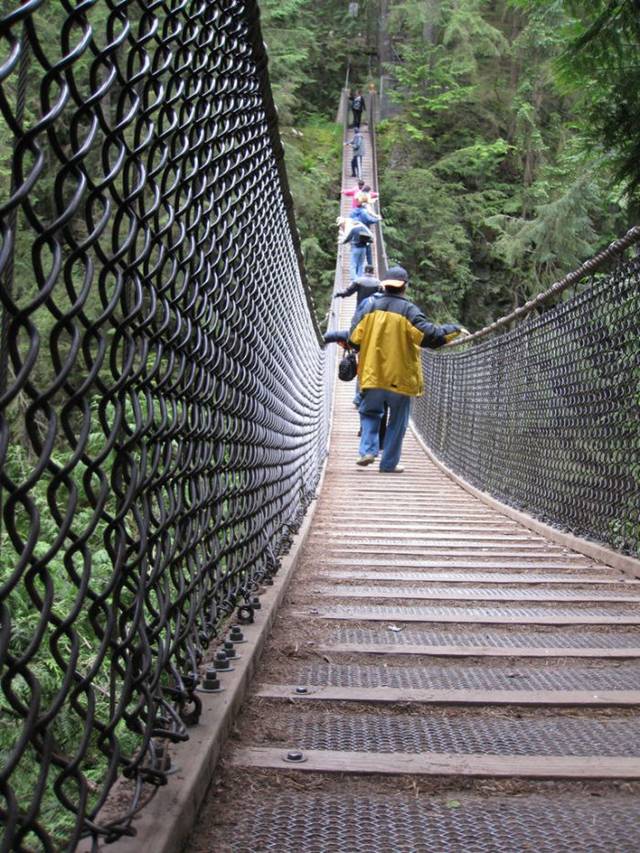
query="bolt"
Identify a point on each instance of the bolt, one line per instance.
(295, 756)
(229, 649)
(221, 661)
(302, 690)
(255, 603)
(236, 635)
(211, 680)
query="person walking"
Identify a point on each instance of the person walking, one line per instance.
(359, 236)
(357, 154)
(357, 108)
(366, 197)
(361, 214)
(354, 192)
(364, 287)
(389, 331)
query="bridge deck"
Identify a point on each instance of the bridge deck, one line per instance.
(439, 678)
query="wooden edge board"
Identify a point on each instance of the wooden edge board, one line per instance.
(463, 617)
(443, 577)
(583, 698)
(442, 763)
(482, 562)
(380, 593)
(476, 651)
(454, 538)
(626, 564)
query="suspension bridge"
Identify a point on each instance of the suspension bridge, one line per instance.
(218, 633)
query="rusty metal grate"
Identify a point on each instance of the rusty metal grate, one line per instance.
(506, 638)
(326, 823)
(468, 734)
(506, 611)
(522, 677)
(478, 592)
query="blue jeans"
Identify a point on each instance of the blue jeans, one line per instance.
(371, 412)
(358, 257)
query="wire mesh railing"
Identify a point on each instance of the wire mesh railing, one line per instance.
(542, 408)
(163, 403)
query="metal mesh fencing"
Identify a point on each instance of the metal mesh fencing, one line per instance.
(163, 394)
(546, 416)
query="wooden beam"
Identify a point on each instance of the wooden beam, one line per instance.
(376, 695)
(496, 578)
(595, 550)
(404, 614)
(442, 764)
(476, 651)
(379, 593)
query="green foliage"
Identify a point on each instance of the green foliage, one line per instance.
(492, 186)
(306, 89)
(600, 67)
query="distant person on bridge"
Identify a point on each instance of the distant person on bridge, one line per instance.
(361, 193)
(362, 214)
(360, 237)
(364, 286)
(366, 197)
(357, 108)
(389, 331)
(357, 152)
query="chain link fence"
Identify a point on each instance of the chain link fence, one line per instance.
(542, 409)
(163, 393)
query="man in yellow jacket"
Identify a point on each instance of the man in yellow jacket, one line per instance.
(389, 331)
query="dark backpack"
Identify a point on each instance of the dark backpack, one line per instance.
(363, 239)
(348, 367)
(358, 104)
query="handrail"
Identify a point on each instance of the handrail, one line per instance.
(380, 246)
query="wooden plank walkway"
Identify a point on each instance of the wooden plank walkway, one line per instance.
(487, 700)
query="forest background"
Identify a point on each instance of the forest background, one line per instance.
(509, 149)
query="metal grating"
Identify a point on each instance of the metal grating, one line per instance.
(360, 611)
(485, 637)
(478, 592)
(622, 677)
(463, 735)
(326, 823)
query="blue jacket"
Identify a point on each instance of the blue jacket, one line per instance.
(357, 144)
(362, 215)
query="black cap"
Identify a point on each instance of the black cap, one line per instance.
(395, 277)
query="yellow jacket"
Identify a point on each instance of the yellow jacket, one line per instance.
(389, 331)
